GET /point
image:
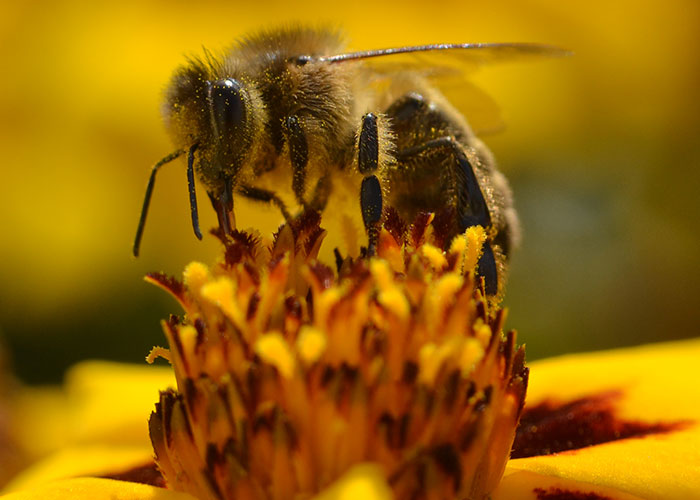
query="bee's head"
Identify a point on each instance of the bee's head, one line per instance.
(212, 114)
(217, 114)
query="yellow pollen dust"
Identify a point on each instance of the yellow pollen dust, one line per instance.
(188, 338)
(196, 275)
(475, 236)
(432, 357)
(472, 353)
(311, 344)
(327, 299)
(273, 349)
(482, 332)
(390, 295)
(435, 256)
(220, 293)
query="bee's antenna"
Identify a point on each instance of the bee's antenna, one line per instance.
(147, 198)
(193, 193)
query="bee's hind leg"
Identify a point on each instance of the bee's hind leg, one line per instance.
(373, 142)
(436, 168)
(469, 200)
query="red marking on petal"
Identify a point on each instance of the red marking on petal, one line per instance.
(553, 427)
(143, 474)
(168, 283)
(239, 245)
(418, 228)
(444, 227)
(307, 222)
(559, 494)
(313, 239)
(323, 274)
(395, 225)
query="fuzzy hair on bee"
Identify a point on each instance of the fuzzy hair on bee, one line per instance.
(289, 108)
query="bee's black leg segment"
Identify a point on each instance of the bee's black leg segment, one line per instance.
(193, 192)
(371, 190)
(264, 195)
(474, 210)
(147, 198)
(299, 155)
(488, 269)
(368, 145)
(371, 205)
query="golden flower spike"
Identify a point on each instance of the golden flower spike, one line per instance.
(290, 373)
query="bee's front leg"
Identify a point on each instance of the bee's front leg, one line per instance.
(373, 142)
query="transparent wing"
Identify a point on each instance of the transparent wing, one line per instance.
(446, 66)
(478, 107)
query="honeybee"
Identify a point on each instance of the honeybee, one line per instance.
(291, 103)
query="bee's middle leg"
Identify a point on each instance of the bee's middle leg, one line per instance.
(263, 195)
(320, 193)
(369, 165)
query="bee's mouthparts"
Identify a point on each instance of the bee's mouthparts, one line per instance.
(223, 205)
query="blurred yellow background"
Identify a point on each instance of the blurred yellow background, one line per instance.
(601, 148)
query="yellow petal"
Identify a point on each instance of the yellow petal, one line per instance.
(657, 384)
(82, 461)
(273, 349)
(101, 402)
(524, 485)
(36, 433)
(96, 489)
(110, 402)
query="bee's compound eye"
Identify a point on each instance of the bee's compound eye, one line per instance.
(227, 105)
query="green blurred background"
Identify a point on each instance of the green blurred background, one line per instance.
(602, 151)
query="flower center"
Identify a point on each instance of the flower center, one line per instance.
(290, 372)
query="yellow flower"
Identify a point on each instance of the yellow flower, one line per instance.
(657, 384)
(388, 377)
